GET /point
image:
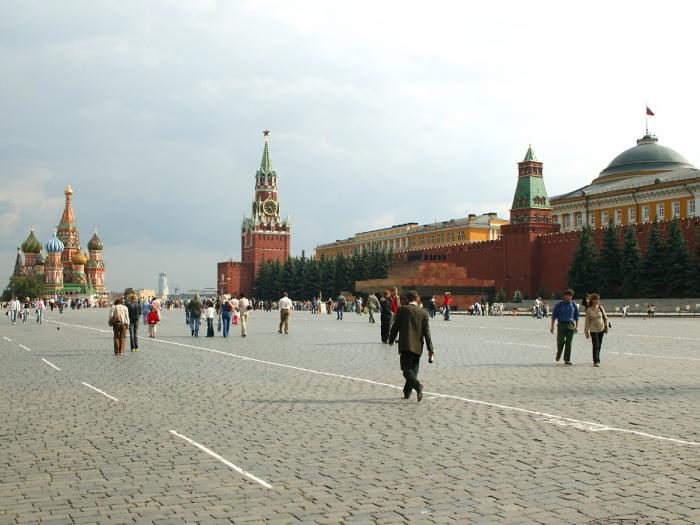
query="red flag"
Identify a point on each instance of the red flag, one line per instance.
(650, 112)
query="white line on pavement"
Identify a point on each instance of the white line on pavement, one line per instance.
(7, 339)
(223, 460)
(50, 364)
(578, 423)
(100, 391)
(657, 356)
(27, 349)
(517, 344)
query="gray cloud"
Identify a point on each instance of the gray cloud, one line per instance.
(380, 112)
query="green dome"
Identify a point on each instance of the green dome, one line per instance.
(646, 156)
(32, 244)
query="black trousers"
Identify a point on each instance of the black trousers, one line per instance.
(409, 367)
(210, 327)
(134, 334)
(385, 327)
(597, 341)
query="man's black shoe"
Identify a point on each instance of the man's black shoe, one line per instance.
(558, 357)
(419, 395)
(406, 396)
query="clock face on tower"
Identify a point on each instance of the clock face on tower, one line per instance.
(270, 207)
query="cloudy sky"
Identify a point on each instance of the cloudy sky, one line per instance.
(381, 113)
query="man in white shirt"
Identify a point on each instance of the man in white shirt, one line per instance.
(15, 307)
(243, 306)
(285, 310)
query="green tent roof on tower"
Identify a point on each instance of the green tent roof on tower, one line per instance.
(530, 155)
(266, 163)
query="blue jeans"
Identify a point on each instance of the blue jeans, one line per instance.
(194, 324)
(340, 312)
(447, 312)
(225, 323)
(13, 316)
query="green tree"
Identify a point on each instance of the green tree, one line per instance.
(517, 296)
(342, 274)
(23, 286)
(679, 270)
(583, 274)
(327, 267)
(312, 278)
(654, 267)
(501, 297)
(696, 272)
(610, 263)
(631, 264)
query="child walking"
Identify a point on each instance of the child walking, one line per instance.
(152, 322)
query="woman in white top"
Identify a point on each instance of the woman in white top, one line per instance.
(209, 313)
(40, 309)
(596, 325)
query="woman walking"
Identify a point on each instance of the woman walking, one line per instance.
(40, 309)
(119, 321)
(226, 312)
(152, 320)
(209, 316)
(596, 325)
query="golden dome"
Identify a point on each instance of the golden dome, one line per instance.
(80, 258)
(69, 190)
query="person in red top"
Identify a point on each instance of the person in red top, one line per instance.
(447, 304)
(152, 321)
(395, 301)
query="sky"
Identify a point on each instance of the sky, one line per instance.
(380, 113)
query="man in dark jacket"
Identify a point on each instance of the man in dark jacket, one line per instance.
(412, 326)
(195, 308)
(134, 315)
(385, 316)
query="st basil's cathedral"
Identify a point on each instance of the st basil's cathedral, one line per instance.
(66, 269)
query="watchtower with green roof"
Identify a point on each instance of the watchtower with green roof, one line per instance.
(530, 202)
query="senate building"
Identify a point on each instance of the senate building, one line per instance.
(265, 235)
(644, 183)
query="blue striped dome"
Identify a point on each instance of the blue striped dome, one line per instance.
(54, 245)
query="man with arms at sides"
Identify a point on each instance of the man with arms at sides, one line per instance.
(412, 326)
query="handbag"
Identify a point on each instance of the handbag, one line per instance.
(218, 325)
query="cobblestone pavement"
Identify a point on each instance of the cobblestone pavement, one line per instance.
(505, 434)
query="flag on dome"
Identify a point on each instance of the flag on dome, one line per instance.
(650, 112)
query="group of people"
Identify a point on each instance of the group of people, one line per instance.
(566, 315)
(226, 309)
(125, 318)
(18, 311)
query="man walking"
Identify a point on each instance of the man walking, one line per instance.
(385, 316)
(412, 326)
(244, 307)
(285, 311)
(15, 307)
(565, 314)
(195, 309)
(134, 315)
(372, 305)
(340, 304)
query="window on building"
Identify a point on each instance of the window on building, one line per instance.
(632, 216)
(604, 218)
(592, 219)
(691, 208)
(618, 216)
(555, 219)
(660, 210)
(676, 209)
(578, 219)
(646, 213)
(567, 221)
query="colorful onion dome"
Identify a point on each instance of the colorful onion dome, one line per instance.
(80, 258)
(54, 245)
(32, 244)
(40, 260)
(91, 264)
(95, 243)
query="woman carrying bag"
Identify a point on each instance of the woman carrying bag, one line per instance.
(596, 325)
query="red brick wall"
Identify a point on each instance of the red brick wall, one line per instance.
(228, 277)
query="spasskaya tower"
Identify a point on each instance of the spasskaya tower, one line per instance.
(265, 235)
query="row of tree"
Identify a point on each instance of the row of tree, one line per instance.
(303, 278)
(667, 269)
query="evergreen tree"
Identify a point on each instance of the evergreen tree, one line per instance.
(654, 267)
(327, 267)
(696, 272)
(501, 297)
(276, 280)
(631, 264)
(679, 271)
(312, 278)
(342, 274)
(583, 274)
(288, 277)
(375, 265)
(610, 264)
